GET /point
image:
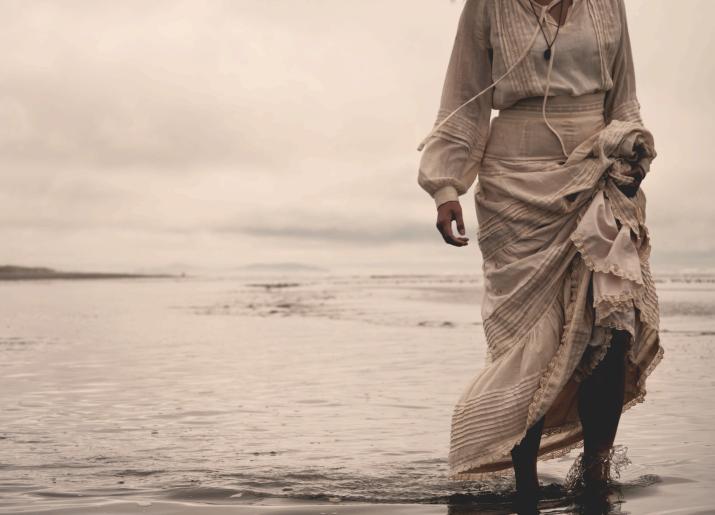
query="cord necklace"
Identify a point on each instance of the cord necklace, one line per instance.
(547, 52)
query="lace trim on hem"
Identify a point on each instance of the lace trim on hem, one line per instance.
(603, 312)
(585, 369)
(613, 268)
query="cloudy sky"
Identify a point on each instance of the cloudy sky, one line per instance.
(139, 135)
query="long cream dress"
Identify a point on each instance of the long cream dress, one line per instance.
(565, 250)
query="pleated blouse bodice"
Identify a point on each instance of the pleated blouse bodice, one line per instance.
(576, 68)
(591, 54)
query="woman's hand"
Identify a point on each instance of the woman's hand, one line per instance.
(638, 174)
(637, 170)
(446, 214)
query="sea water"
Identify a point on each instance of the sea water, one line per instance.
(312, 388)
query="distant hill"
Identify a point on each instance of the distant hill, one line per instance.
(282, 267)
(26, 273)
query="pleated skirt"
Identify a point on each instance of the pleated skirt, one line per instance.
(565, 262)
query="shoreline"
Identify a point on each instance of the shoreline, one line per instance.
(23, 273)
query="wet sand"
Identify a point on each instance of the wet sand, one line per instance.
(312, 395)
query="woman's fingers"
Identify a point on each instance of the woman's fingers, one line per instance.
(446, 214)
(450, 238)
(460, 221)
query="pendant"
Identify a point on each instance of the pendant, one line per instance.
(547, 53)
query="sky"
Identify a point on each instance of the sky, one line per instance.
(181, 135)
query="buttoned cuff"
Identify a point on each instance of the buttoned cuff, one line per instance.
(445, 194)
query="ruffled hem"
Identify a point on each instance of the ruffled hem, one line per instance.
(462, 474)
(612, 268)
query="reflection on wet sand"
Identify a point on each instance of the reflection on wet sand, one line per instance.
(300, 395)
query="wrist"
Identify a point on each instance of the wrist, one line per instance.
(445, 194)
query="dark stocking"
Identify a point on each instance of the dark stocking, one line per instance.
(523, 457)
(600, 402)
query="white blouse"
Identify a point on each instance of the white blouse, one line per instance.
(592, 53)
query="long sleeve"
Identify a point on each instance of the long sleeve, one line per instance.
(621, 101)
(451, 158)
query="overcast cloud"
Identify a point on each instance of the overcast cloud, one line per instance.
(141, 135)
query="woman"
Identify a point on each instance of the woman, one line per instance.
(569, 310)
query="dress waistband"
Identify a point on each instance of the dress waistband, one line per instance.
(561, 105)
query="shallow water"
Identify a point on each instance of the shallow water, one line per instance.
(312, 389)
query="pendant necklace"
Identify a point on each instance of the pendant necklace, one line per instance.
(547, 52)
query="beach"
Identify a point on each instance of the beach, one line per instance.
(301, 394)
